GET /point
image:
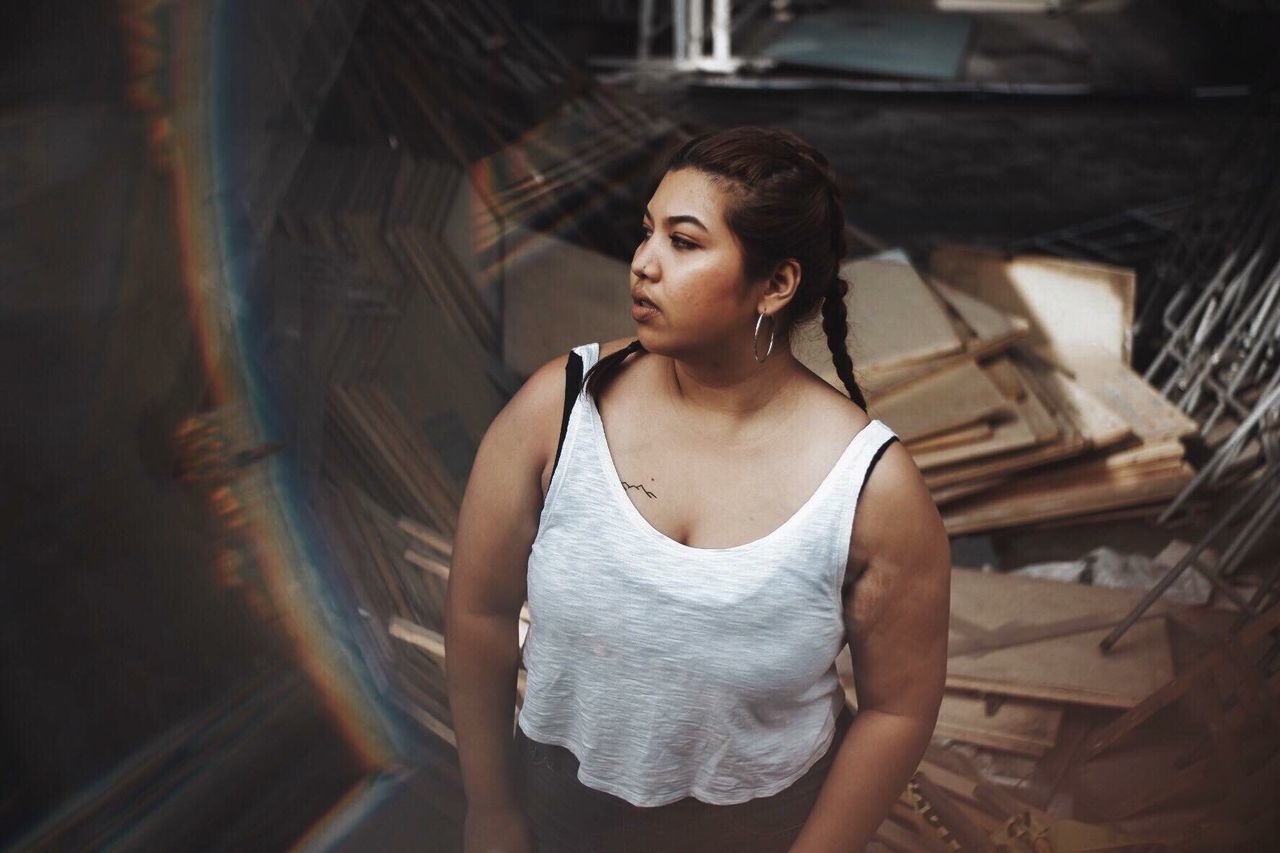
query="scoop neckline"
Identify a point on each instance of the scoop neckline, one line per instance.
(619, 495)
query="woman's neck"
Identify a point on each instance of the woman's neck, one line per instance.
(730, 393)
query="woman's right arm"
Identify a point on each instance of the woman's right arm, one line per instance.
(497, 524)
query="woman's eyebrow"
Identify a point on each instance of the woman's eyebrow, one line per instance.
(676, 220)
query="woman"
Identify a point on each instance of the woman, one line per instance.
(693, 568)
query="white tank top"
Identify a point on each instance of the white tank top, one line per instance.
(671, 671)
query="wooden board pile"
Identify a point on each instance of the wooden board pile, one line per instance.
(1008, 380)
(1044, 740)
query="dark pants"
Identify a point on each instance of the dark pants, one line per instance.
(568, 816)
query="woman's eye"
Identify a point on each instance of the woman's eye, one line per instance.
(645, 233)
(681, 243)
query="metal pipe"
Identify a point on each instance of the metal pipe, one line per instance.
(720, 14)
(1258, 524)
(1176, 572)
(1225, 453)
(697, 29)
(680, 29)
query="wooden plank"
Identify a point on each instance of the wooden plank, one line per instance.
(1002, 373)
(1063, 668)
(993, 328)
(422, 561)
(1076, 309)
(1175, 688)
(388, 454)
(433, 539)
(971, 835)
(1033, 426)
(1007, 435)
(910, 323)
(910, 326)
(1014, 725)
(947, 494)
(1068, 444)
(1148, 414)
(952, 438)
(431, 642)
(888, 380)
(1064, 493)
(959, 396)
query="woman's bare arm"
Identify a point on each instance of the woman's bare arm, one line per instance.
(497, 524)
(896, 616)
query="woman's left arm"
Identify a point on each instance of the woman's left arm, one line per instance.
(897, 632)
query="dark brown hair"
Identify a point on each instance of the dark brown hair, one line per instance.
(783, 203)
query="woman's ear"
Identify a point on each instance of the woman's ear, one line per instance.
(781, 288)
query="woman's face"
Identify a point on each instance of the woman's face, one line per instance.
(689, 265)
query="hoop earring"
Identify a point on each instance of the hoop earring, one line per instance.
(755, 340)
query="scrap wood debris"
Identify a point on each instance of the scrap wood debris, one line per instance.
(1008, 379)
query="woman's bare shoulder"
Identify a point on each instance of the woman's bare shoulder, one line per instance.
(899, 532)
(831, 409)
(537, 408)
(530, 421)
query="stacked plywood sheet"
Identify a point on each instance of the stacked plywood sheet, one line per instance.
(1008, 381)
(1021, 647)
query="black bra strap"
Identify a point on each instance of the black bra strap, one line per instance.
(572, 386)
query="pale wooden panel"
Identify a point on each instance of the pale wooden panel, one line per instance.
(993, 609)
(1007, 435)
(948, 399)
(952, 438)
(990, 326)
(946, 494)
(1066, 492)
(1004, 375)
(894, 319)
(1068, 444)
(1015, 725)
(1031, 425)
(1075, 308)
(1098, 425)
(1145, 410)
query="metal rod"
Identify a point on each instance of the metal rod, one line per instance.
(697, 29)
(1259, 600)
(1225, 453)
(1251, 533)
(1178, 568)
(680, 34)
(720, 14)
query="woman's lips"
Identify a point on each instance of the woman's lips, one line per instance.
(642, 311)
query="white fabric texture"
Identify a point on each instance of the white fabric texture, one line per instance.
(671, 671)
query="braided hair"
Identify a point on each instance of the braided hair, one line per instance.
(782, 202)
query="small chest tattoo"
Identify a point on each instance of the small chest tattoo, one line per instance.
(648, 493)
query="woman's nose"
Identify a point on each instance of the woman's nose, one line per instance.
(643, 264)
